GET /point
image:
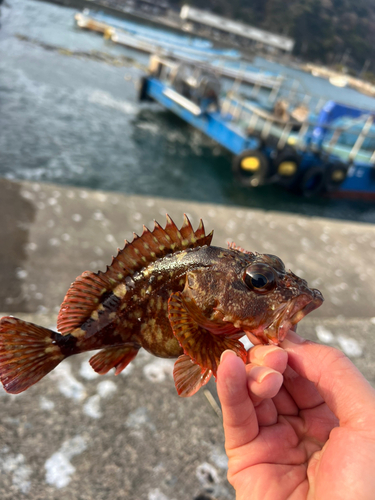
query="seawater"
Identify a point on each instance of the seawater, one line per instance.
(76, 121)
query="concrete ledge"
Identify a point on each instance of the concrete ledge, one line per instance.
(78, 435)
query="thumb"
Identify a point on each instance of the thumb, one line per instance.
(239, 417)
(345, 390)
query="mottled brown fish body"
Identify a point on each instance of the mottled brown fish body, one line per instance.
(137, 309)
(171, 293)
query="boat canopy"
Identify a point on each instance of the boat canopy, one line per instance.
(332, 112)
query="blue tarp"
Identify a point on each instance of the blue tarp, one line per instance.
(332, 111)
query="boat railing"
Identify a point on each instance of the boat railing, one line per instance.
(293, 90)
(361, 137)
(288, 89)
(257, 121)
(243, 111)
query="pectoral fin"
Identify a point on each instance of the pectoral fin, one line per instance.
(189, 377)
(202, 346)
(113, 357)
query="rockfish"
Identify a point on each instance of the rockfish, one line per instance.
(171, 293)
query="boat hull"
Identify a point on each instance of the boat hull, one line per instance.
(359, 182)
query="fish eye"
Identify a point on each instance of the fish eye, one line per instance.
(260, 278)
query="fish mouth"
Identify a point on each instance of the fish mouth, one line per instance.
(287, 318)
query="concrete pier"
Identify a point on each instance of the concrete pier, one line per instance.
(82, 436)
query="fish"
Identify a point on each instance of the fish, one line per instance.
(172, 293)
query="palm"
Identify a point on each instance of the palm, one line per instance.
(282, 457)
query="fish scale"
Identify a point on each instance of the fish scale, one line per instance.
(170, 292)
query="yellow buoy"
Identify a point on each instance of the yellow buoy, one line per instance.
(337, 175)
(287, 168)
(250, 163)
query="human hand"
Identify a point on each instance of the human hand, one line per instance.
(307, 434)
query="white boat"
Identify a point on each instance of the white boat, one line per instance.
(338, 81)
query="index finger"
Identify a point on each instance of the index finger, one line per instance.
(239, 417)
(345, 390)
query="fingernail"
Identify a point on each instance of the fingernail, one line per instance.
(259, 352)
(259, 373)
(226, 353)
(274, 373)
(293, 338)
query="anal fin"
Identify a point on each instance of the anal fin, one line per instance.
(189, 377)
(114, 357)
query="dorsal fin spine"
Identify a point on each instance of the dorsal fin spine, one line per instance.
(83, 296)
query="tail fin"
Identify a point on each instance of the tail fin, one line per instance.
(27, 353)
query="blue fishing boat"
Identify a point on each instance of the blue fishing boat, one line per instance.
(330, 151)
(100, 21)
(147, 31)
(224, 62)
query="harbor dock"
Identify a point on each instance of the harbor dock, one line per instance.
(79, 435)
(205, 57)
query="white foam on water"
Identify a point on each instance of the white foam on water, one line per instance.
(105, 99)
(58, 467)
(150, 127)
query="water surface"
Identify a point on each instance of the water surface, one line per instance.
(76, 121)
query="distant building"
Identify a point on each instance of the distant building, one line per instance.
(156, 7)
(240, 31)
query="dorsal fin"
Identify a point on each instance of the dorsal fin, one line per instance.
(84, 295)
(233, 246)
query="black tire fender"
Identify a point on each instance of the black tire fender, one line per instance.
(312, 181)
(251, 167)
(286, 166)
(142, 90)
(335, 174)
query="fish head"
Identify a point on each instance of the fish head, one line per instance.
(257, 295)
